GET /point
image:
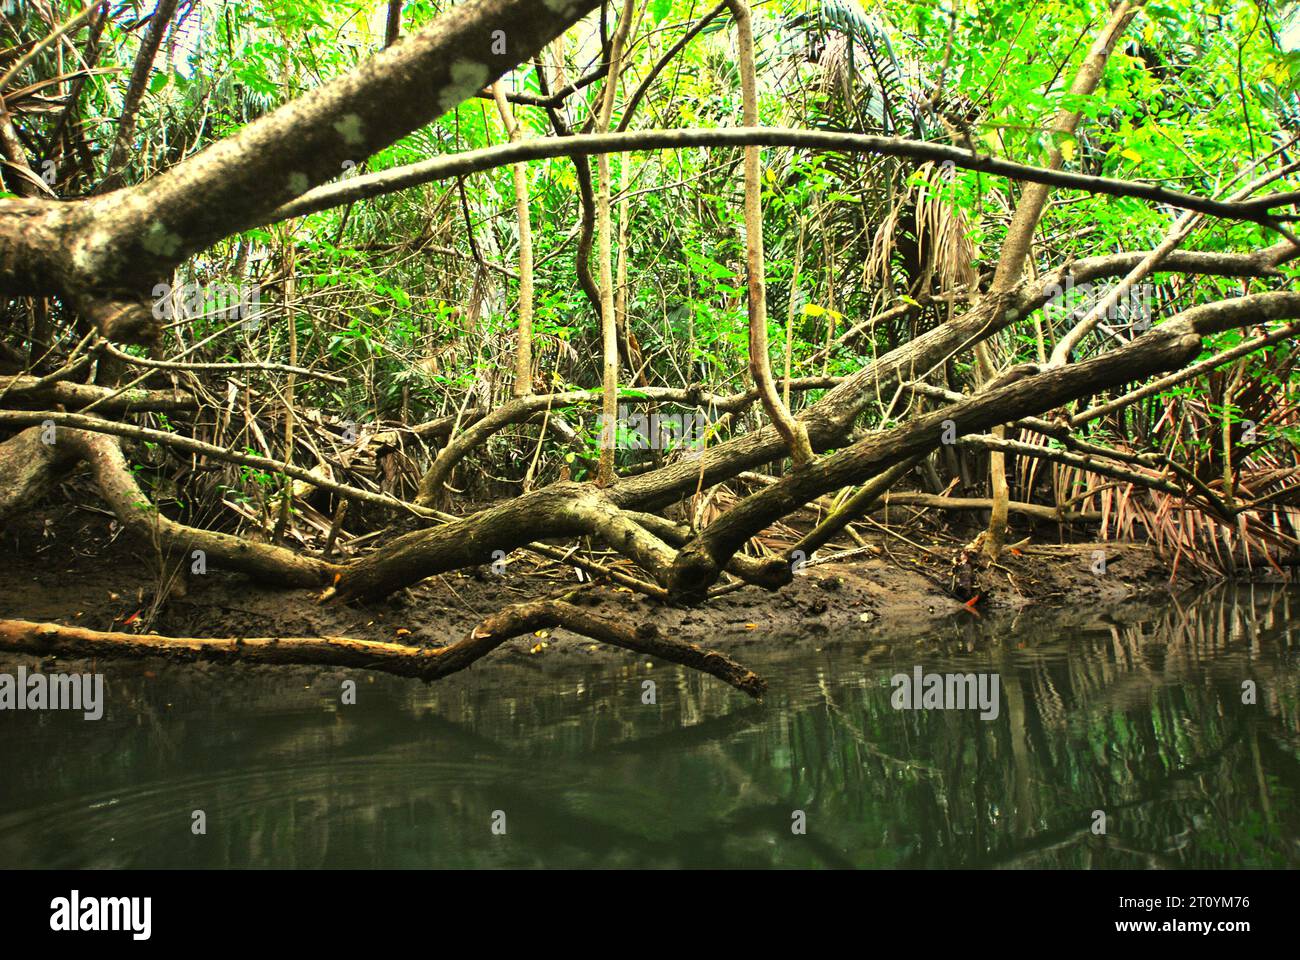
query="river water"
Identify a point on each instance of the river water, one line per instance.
(1134, 716)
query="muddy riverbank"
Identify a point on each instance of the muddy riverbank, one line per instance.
(78, 570)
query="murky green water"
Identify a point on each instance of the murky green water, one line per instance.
(1140, 718)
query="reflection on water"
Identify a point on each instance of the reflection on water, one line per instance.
(1139, 715)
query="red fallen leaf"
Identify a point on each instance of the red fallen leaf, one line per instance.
(1016, 552)
(131, 619)
(970, 604)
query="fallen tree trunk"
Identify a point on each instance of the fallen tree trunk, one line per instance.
(645, 638)
(52, 639)
(831, 418)
(421, 663)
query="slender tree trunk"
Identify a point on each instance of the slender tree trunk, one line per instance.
(1019, 241)
(604, 254)
(789, 317)
(19, 177)
(153, 36)
(523, 384)
(393, 31)
(291, 327)
(792, 431)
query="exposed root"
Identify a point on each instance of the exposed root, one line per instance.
(145, 521)
(29, 467)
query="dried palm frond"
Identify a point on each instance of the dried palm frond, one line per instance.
(1234, 434)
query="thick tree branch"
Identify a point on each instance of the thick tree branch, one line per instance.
(1168, 346)
(107, 252)
(25, 390)
(920, 151)
(95, 425)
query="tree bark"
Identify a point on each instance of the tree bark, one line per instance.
(422, 663)
(159, 21)
(523, 384)
(107, 252)
(30, 467)
(1019, 241)
(604, 254)
(794, 433)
